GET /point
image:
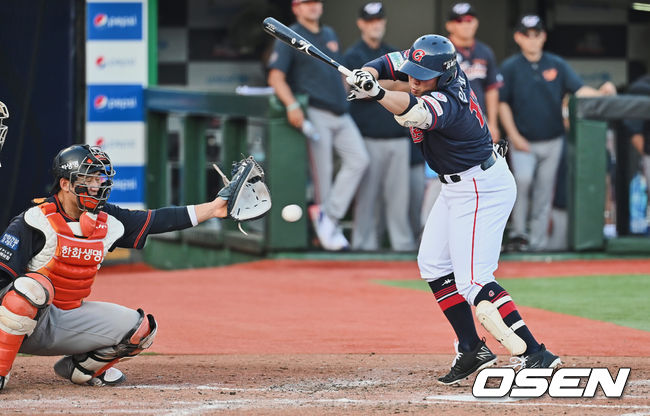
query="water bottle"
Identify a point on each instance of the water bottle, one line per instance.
(638, 205)
(309, 130)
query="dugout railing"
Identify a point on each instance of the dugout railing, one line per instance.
(590, 120)
(245, 125)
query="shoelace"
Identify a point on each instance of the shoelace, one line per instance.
(517, 362)
(458, 353)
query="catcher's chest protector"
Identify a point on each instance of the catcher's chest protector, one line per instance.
(69, 261)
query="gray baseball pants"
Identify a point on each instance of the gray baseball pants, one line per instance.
(340, 134)
(386, 182)
(535, 173)
(91, 326)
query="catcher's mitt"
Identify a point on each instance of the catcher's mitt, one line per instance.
(247, 195)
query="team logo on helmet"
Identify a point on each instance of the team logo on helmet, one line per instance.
(418, 54)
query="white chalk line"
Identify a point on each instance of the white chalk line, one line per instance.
(192, 407)
(460, 398)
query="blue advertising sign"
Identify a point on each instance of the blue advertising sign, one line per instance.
(128, 185)
(115, 103)
(108, 21)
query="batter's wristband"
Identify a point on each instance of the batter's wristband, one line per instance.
(293, 106)
(381, 94)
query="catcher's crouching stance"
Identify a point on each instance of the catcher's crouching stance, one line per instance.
(50, 254)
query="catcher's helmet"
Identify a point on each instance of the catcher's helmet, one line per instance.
(431, 56)
(82, 165)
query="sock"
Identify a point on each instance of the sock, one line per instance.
(457, 311)
(494, 293)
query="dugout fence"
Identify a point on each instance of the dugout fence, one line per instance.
(220, 128)
(590, 120)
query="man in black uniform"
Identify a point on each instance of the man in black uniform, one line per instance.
(386, 179)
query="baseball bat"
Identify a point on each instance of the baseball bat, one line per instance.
(281, 32)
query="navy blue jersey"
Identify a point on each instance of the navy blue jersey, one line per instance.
(534, 91)
(458, 138)
(20, 242)
(306, 75)
(480, 66)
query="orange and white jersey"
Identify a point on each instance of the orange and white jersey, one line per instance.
(73, 251)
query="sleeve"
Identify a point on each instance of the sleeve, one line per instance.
(442, 108)
(505, 90)
(282, 57)
(138, 225)
(633, 126)
(493, 78)
(388, 64)
(18, 244)
(572, 81)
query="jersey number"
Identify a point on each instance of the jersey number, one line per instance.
(475, 108)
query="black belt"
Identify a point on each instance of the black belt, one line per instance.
(487, 164)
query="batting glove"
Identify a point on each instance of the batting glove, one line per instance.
(357, 94)
(364, 81)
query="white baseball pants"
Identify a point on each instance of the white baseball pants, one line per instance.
(465, 227)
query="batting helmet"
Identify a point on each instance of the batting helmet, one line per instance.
(431, 56)
(84, 165)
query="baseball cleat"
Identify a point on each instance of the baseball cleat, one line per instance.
(110, 377)
(467, 363)
(540, 359)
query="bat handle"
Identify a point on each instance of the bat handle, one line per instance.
(367, 86)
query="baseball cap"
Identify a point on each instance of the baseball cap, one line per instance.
(372, 10)
(294, 2)
(529, 22)
(461, 9)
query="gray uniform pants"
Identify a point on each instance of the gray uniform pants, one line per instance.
(340, 134)
(91, 326)
(535, 173)
(385, 183)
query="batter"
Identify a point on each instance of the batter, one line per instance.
(460, 246)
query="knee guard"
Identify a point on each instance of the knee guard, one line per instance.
(82, 368)
(20, 308)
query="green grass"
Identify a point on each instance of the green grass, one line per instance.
(623, 300)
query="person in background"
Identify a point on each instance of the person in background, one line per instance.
(477, 60)
(292, 72)
(386, 181)
(530, 109)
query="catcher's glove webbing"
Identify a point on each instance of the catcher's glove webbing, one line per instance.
(247, 195)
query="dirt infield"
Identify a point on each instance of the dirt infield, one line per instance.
(314, 337)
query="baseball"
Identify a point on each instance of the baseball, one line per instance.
(291, 213)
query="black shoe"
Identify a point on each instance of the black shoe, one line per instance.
(466, 363)
(540, 359)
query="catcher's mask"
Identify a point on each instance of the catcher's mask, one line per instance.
(90, 172)
(4, 113)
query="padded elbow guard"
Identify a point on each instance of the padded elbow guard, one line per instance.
(81, 368)
(417, 116)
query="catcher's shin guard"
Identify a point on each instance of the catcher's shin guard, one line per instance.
(488, 315)
(86, 368)
(20, 305)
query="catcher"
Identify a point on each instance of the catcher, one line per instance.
(49, 256)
